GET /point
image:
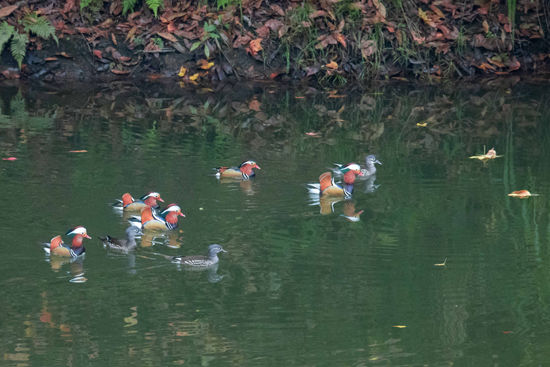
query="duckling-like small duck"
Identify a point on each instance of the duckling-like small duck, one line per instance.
(327, 186)
(129, 204)
(166, 220)
(201, 261)
(123, 245)
(368, 171)
(56, 246)
(244, 171)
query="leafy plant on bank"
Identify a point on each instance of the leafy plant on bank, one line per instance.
(32, 23)
(127, 5)
(210, 33)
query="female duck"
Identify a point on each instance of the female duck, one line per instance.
(123, 245)
(199, 260)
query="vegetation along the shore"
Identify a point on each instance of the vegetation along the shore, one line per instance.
(327, 42)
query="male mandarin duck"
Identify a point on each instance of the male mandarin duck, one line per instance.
(200, 260)
(123, 245)
(166, 220)
(244, 171)
(327, 186)
(57, 247)
(368, 171)
(128, 203)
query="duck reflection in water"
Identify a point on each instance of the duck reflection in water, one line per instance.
(170, 239)
(245, 185)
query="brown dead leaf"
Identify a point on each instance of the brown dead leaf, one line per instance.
(131, 33)
(120, 72)
(7, 10)
(113, 37)
(254, 105)
(254, 46)
(98, 54)
(277, 9)
(241, 41)
(204, 64)
(51, 59)
(167, 36)
(341, 39)
(332, 65)
(380, 8)
(485, 26)
(368, 47)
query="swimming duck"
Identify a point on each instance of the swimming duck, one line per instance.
(128, 203)
(57, 247)
(124, 245)
(244, 171)
(199, 260)
(166, 220)
(327, 186)
(369, 170)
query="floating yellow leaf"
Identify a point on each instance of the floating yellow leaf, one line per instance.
(194, 77)
(522, 194)
(422, 124)
(442, 264)
(182, 72)
(400, 326)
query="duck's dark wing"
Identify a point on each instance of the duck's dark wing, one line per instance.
(113, 242)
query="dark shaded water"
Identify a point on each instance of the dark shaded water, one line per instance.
(296, 288)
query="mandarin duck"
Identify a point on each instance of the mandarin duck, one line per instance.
(128, 203)
(369, 170)
(123, 245)
(166, 220)
(200, 260)
(327, 186)
(57, 247)
(244, 171)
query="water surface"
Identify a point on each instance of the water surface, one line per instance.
(297, 287)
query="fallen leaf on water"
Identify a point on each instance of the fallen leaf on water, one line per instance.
(442, 264)
(9, 159)
(400, 326)
(422, 124)
(522, 194)
(491, 154)
(78, 151)
(332, 65)
(182, 72)
(313, 134)
(194, 77)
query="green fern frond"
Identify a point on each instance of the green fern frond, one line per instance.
(6, 31)
(85, 3)
(128, 5)
(39, 26)
(154, 5)
(19, 47)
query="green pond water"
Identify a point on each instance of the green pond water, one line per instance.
(300, 285)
